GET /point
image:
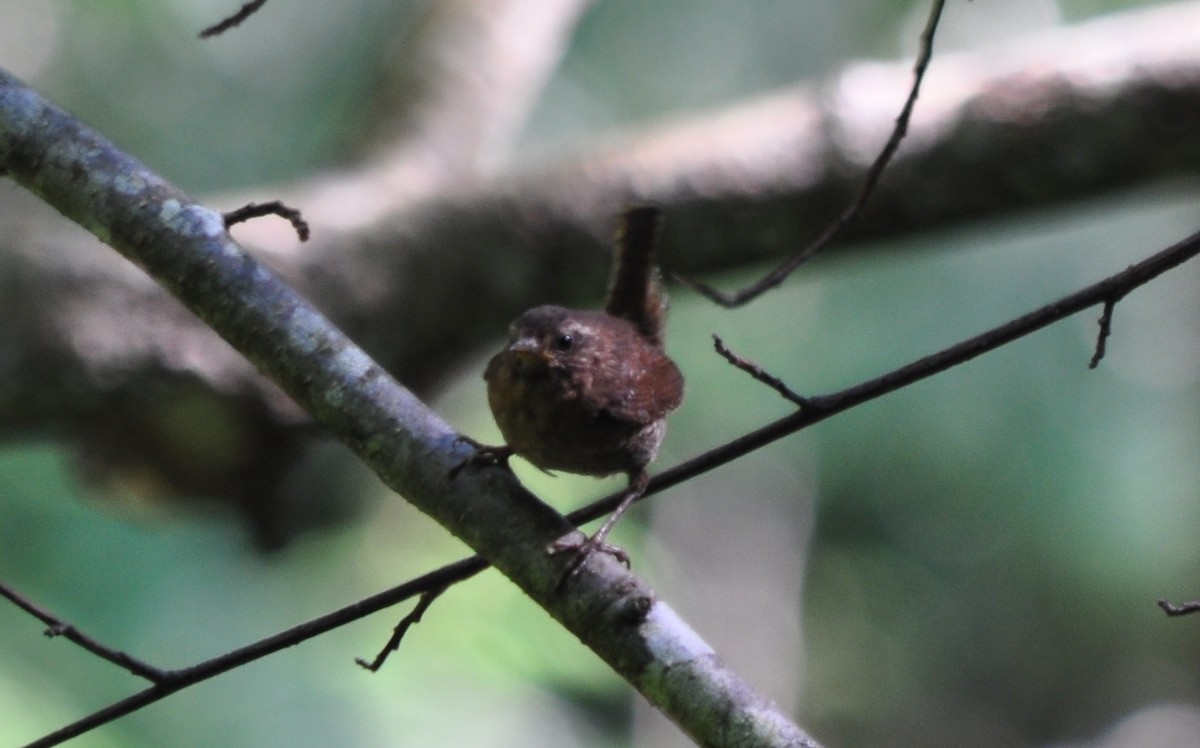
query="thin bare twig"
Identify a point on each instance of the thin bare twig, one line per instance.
(1105, 330)
(236, 19)
(1179, 609)
(56, 627)
(780, 273)
(401, 629)
(759, 373)
(273, 208)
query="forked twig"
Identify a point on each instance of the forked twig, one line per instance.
(780, 273)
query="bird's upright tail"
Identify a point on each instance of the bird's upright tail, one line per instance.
(636, 291)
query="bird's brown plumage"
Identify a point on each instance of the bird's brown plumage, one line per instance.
(588, 391)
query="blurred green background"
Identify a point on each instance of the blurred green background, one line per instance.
(972, 561)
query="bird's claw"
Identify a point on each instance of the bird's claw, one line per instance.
(483, 456)
(582, 546)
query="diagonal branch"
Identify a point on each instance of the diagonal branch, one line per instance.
(177, 680)
(776, 431)
(185, 247)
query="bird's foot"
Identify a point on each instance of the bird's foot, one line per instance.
(484, 456)
(582, 546)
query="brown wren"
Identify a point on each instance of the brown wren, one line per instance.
(587, 391)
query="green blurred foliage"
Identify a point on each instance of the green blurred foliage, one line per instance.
(991, 542)
(987, 545)
(285, 93)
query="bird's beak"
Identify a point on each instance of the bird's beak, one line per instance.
(526, 347)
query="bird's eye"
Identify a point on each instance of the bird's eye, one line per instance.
(564, 342)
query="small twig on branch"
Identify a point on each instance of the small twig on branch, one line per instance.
(56, 627)
(1105, 330)
(1179, 609)
(177, 680)
(273, 208)
(401, 629)
(758, 373)
(780, 273)
(236, 19)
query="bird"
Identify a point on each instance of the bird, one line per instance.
(588, 392)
